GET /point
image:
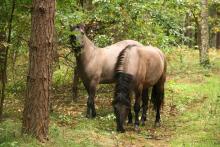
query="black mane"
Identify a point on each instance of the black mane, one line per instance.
(121, 56)
(122, 89)
(123, 81)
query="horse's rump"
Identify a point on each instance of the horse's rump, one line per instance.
(145, 64)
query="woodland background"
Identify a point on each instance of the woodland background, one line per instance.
(191, 112)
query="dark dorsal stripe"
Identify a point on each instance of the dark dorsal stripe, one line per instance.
(121, 57)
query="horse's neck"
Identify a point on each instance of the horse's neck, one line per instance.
(88, 50)
(89, 46)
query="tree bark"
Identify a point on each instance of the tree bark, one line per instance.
(189, 31)
(218, 34)
(218, 41)
(2, 71)
(75, 84)
(204, 58)
(36, 108)
(198, 33)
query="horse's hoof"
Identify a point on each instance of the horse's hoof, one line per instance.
(157, 124)
(143, 120)
(136, 128)
(129, 123)
(89, 116)
(93, 114)
(122, 130)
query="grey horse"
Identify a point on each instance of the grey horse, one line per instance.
(137, 69)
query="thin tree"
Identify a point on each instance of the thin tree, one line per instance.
(218, 40)
(36, 107)
(2, 73)
(204, 58)
(86, 5)
(4, 58)
(75, 84)
(218, 33)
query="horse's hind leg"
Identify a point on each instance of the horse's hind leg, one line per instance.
(145, 99)
(157, 99)
(137, 108)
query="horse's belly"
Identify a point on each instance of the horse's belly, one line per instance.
(144, 83)
(107, 77)
(107, 81)
(148, 77)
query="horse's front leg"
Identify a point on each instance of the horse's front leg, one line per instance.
(129, 117)
(91, 112)
(91, 90)
(137, 109)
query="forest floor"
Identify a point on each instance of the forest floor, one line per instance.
(190, 115)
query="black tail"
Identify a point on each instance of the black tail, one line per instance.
(157, 95)
(122, 89)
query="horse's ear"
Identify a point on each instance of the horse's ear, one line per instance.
(82, 28)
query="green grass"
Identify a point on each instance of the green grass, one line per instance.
(200, 122)
(190, 115)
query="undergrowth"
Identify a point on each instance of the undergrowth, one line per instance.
(190, 116)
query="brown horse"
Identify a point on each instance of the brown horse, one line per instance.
(96, 65)
(138, 68)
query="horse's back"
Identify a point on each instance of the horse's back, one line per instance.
(109, 56)
(146, 64)
(122, 44)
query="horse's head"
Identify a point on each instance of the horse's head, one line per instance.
(121, 113)
(76, 37)
(121, 102)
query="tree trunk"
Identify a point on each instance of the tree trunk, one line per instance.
(189, 31)
(75, 84)
(212, 34)
(86, 4)
(218, 41)
(218, 34)
(204, 58)
(36, 108)
(2, 71)
(198, 34)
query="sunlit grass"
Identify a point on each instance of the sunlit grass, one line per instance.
(200, 124)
